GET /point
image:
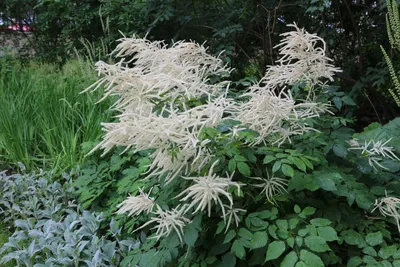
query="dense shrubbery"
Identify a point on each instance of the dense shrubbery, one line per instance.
(268, 178)
(198, 170)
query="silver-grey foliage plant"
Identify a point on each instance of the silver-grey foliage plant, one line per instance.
(51, 229)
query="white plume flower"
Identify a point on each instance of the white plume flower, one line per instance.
(166, 221)
(271, 186)
(232, 213)
(375, 151)
(389, 206)
(206, 190)
(137, 204)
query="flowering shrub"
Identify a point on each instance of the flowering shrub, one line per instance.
(262, 177)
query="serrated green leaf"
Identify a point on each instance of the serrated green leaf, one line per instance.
(287, 170)
(297, 209)
(340, 150)
(307, 212)
(316, 243)
(290, 259)
(320, 222)
(244, 233)
(311, 259)
(290, 242)
(243, 168)
(354, 262)
(293, 222)
(232, 165)
(328, 233)
(190, 235)
(276, 166)
(259, 240)
(268, 159)
(370, 251)
(275, 250)
(299, 241)
(299, 164)
(374, 239)
(238, 249)
(240, 158)
(229, 236)
(387, 251)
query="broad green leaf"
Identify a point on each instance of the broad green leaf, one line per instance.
(299, 241)
(340, 150)
(354, 262)
(240, 158)
(297, 209)
(289, 260)
(191, 234)
(228, 260)
(387, 251)
(351, 237)
(275, 250)
(268, 159)
(328, 233)
(307, 212)
(370, 251)
(232, 165)
(311, 259)
(259, 240)
(316, 243)
(229, 236)
(287, 170)
(293, 222)
(238, 249)
(244, 233)
(243, 168)
(320, 222)
(290, 242)
(374, 239)
(299, 164)
(282, 224)
(276, 166)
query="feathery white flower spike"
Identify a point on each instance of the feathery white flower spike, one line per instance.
(389, 206)
(167, 221)
(271, 186)
(208, 189)
(136, 205)
(375, 151)
(232, 213)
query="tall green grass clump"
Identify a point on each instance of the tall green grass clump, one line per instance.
(44, 120)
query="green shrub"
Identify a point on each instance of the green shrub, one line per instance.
(266, 178)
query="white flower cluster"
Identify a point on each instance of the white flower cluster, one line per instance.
(375, 151)
(389, 206)
(155, 85)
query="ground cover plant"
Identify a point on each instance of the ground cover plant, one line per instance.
(44, 119)
(266, 177)
(51, 229)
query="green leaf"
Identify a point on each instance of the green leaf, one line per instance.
(244, 233)
(307, 162)
(340, 150)
(290, 242)
(299, 164)
(293, 222)
(268, 159)
(327, 233)
(338, 102)
(238, 249)
(316, 243)
(287, 170)
(346, 99)
(232, 165)
(354, 262)
(240, 158)
(299, 241)
(311, 259)
(370, 251)
(320, 222)
(351, 237)
(275, 250)
(243, 168)
(191, 234)
(228, 260)
(276, 166)
(282, 224)
(289, 260)
(387, 251)
(307, 212)
(229, 236)
(259, 240)
(297, 209)
(374, 239)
